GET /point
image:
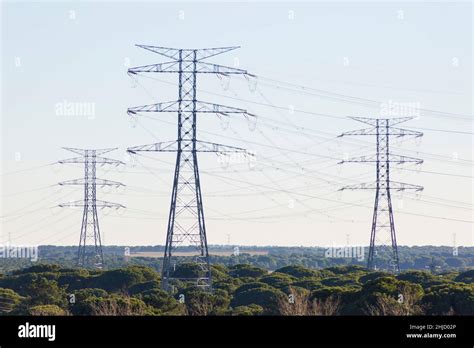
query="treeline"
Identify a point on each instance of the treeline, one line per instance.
(434, 259)
(241, 289)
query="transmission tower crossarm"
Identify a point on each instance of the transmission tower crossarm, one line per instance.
(210, 68)
(365, 131)
(187, 67)
(98, 160)
(394, 185)
(201, 146)
(106, 204)
(167, 146)
(178, 106)
(400, 132)
(98, 182)
(82, 152)
(205, 146)
(174, 53)
(374, 121)
(97, 203)
(402, 186)
(71, 204)
(165, 67)
(391, 158)
(400, 159)
(171, 106)
(362, 186)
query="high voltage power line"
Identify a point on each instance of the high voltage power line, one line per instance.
(296, 110)
(302, 194)
(459, 162)
(372, 101)
(187, 63)
(300, 129)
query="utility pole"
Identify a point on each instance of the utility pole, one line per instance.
(383, 251)
(90, 245)
(186, 223)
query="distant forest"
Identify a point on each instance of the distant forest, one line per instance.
(435, 259)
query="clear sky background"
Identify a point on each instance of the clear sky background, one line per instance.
(409, 52)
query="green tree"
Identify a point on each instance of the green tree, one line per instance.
(249, 310)
(457, 298)
(46, 292)
(219, 273)
(278, 280)
(375, 294)
(161, 302)
(267, 298)
(423, 278)
(85, 299)
(308, 283)
(120, 280)
(144, 286)
(455, 262)
(343, 293)
(9, 300)
(47, 310)
(74, 279)
(348, 269)
(187, 270)
(338, 281)
(466, 277)
(200, 302)
(251, 285)
(39, 268)
(297, 271)
(244, 270)
(118, 305)
(21, 283)
(372, 276)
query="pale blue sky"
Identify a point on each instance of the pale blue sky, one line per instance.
(404, 52)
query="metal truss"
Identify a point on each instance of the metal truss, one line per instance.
(383, 251)
(186, 223)
(90, 244)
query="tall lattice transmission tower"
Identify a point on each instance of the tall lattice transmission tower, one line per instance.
(90, 245)
(186, 223)
(383, 251)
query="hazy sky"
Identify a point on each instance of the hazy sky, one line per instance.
(54, 53)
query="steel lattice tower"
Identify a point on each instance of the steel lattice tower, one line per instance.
(383, 251)
(186, 223)
(90, 245)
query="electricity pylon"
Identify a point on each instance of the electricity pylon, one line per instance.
(383, 251)
(90, 245)
(186, 224)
